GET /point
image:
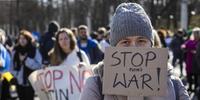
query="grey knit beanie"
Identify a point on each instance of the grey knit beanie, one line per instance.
(130, 19)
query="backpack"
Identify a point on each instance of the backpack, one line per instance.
(79, 55)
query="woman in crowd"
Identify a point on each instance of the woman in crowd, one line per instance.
(65, 50)
(190, 48)
(26, 59)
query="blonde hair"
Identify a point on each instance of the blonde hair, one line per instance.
(82, 27)
(196, 33)
(2, 36)
(27, 34)
(156, 40)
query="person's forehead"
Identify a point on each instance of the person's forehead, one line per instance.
(82, 29)
(62, 34)
(135, 37)
(21, 35)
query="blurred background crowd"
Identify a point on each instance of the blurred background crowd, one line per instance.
(31, 31)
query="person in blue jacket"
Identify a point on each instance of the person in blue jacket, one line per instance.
(5, 60)
(90, 47)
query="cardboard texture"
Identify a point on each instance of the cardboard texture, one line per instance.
(132, 71)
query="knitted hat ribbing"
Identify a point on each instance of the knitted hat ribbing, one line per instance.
(130, 19)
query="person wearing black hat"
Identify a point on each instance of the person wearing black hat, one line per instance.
(47, 42)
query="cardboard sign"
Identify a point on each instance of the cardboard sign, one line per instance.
(132, 71)
(59, 82)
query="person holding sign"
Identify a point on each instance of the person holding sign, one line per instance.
(69, 68)
(68, 61)
(66, 51)
(130, 27)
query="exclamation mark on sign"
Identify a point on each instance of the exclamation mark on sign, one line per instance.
(158, 74)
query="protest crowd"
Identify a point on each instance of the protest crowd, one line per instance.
(77, 47)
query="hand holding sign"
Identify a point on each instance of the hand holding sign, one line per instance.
(135, 71)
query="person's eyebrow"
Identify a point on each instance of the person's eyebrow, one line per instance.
(141, 37)
(126, 39)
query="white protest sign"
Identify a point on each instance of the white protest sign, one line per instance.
(59, 82)
(132, 71)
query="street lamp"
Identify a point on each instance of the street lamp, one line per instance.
(171, 17)
(158, 17)
(193, 13)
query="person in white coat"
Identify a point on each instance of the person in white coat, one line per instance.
(65, 50)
